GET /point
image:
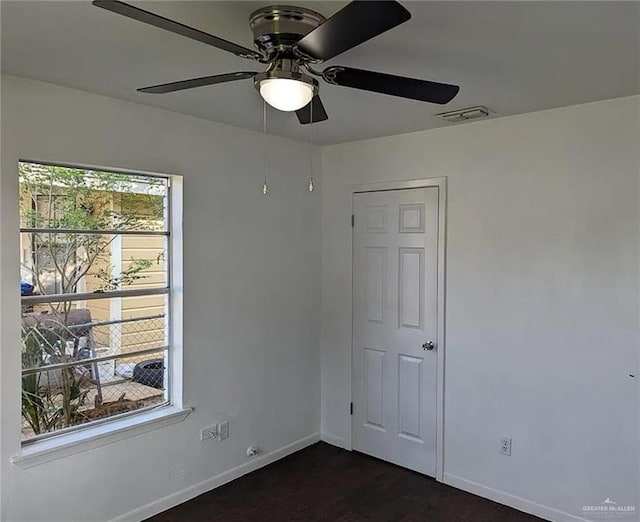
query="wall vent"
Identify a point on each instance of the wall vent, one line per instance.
(470, 113)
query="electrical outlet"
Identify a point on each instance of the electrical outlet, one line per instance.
(223, 430)
(505, 445)
(209, 433)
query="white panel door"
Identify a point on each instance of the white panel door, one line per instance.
(394, 319)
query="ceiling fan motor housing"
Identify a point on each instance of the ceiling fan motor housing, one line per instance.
(277, 28)
(286, 68)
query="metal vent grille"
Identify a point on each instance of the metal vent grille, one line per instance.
(470, 113)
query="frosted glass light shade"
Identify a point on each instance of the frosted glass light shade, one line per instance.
(285, 94)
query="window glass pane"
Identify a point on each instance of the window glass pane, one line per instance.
(63, 212)
(98, 355)
(62, 387)
(56, 263)
(80, 199)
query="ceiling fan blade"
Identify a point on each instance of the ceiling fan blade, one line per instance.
(356, 23)
(155, 20)
(196, 82)
(412, 88)
(319, 114)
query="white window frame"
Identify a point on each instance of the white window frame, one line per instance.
(134, 423)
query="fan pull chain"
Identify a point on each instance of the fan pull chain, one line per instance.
(265, 187)
(311, 149)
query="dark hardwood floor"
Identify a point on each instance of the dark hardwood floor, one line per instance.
(324, 483)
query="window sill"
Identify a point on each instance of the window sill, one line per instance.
(58, 447)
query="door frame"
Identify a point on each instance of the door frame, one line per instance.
(441, 184)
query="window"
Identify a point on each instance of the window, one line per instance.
(96, 285)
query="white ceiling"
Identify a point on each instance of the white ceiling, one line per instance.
(512, 57)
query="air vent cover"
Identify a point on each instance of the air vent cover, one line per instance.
(470, 113)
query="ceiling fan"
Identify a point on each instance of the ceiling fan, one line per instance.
(290, 41)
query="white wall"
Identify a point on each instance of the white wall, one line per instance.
(251, 308)
(542, 298)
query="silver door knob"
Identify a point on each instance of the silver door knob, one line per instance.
(429, 345)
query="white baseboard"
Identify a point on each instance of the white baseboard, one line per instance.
(179, 497)
(519, 503)
(334, 441)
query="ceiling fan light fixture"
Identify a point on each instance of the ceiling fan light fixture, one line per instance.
(286, 94)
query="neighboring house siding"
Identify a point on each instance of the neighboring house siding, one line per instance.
(100, 310)
(149, 247)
